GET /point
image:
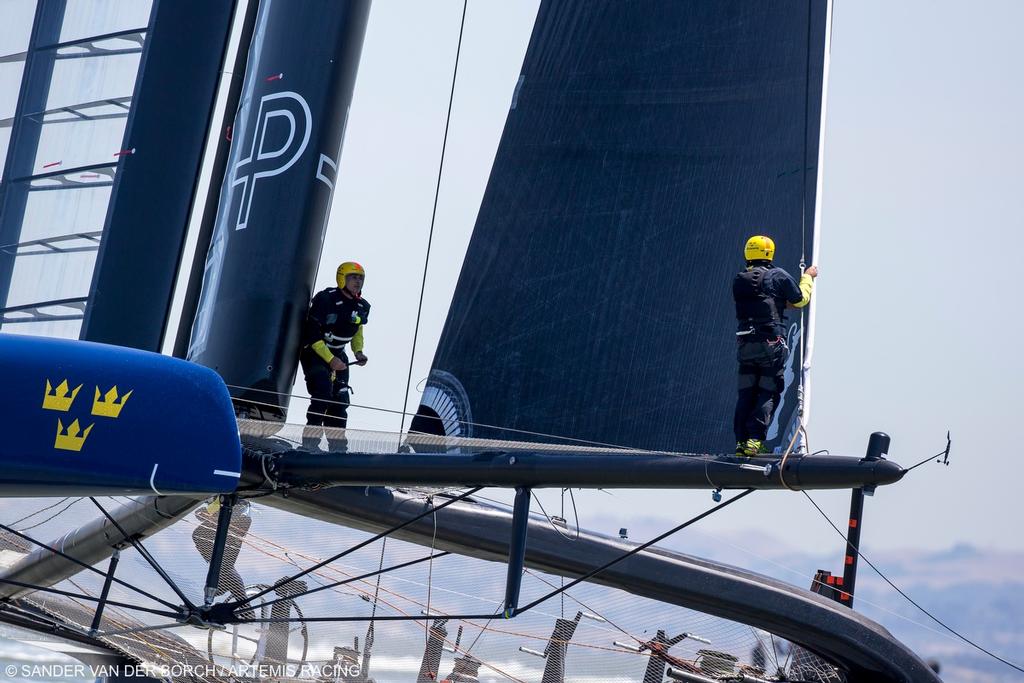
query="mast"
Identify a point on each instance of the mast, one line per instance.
(276, 197)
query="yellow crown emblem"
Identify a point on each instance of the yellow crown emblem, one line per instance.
(58, 399)
(71, 441)
(108, 405)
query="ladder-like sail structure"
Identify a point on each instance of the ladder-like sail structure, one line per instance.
(642, 148)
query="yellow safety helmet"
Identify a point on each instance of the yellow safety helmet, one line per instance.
(759, 248)
(349, 268)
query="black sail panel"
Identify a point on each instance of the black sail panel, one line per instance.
(643, 146)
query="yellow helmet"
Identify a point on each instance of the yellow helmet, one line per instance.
(348, 268)
(759, 248)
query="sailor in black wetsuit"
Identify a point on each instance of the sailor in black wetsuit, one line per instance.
(762, 292)
(335, 318)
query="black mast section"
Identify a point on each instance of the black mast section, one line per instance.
(276, 197)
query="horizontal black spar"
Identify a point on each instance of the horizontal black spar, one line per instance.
(546, 470)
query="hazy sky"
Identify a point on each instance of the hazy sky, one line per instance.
(921, 218)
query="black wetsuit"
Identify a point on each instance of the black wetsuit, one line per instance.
(334, 317)
(761, 294)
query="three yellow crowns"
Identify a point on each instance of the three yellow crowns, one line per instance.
(105, 405)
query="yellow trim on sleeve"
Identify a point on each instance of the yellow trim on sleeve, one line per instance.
(357, 341)
(320, 348)
(806, 287)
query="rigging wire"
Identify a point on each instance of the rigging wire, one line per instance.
(54, 515)
(583, 605)
(38, 512)
(430, 572)
(486, 627)
(907, 597)
(338, 556)
(552, 522)
(392, 411)
(380, 570)
(709, 457)
(634, 551)
(85, 566)
(157, 631)
(797, 572)
(82, 596)
(349, 579)
(522, 610)
(433, 215)
(145, 555)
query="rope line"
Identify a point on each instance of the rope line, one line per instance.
(552, 522)
(39, 512)
(433, 215)
(907, 597)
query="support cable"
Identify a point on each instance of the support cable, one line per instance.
(51, 517)
(323, 563)
(83, 565)
(90, 598)
(634, 551)
(551, 521)
(585, 606)
(380, 572)
(548, 596)
(145, 555)
(38, 512)
(908, 598)
(430, 572)
(433, 215)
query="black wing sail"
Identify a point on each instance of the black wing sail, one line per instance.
(642, 148)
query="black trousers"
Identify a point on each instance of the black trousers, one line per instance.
(328, 406)
(760, 386)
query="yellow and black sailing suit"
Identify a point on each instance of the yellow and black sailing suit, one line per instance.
(335, 319)
(761, 293)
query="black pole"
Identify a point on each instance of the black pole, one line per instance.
(585, 470)
(878, 446)
(107, 580)
(227, 503)
(517, 550)
(852, 543)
